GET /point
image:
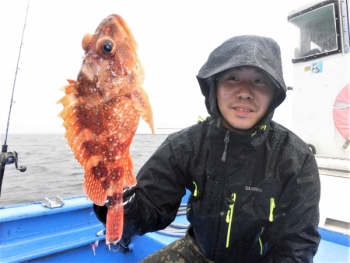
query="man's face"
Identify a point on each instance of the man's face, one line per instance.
(244, 95)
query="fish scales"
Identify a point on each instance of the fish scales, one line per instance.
(101, 112)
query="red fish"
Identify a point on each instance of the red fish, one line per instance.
(101, 112)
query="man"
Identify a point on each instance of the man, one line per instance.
(255, 185)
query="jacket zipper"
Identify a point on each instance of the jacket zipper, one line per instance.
(226, 140)
(229, 218)
(272, 206)
(218, 225)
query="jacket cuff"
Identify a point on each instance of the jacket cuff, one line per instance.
(101, 213)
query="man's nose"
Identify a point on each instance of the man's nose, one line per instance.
(245, 91)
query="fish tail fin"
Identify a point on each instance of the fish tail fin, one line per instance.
(115, 217)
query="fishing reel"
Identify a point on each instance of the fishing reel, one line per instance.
(10, 158)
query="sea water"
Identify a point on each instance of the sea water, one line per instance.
(52, 169)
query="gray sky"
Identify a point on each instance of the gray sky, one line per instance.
(174, 38)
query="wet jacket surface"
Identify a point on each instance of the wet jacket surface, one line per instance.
(260, 203)
(257, 204)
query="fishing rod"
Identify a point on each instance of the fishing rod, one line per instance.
(11, 157)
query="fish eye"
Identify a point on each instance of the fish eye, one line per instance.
(105, 47)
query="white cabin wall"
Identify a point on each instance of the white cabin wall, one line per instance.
(314, 96)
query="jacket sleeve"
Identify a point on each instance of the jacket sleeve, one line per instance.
(293, 232)
(153, 203)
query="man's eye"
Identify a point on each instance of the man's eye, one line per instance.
(261, 81)
(233, 78)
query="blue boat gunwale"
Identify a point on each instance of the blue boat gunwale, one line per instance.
(36, 209)
(37, 231)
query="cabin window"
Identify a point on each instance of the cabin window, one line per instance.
(314, 32)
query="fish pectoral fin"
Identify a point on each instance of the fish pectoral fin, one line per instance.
(129, 178)
(141, 103)
(94, 189)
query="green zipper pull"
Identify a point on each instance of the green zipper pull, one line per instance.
(195, 192)
(272, 206)
(229, 218)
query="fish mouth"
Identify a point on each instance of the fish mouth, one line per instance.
(118, 20)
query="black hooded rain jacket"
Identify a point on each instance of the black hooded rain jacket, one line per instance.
(260, 203)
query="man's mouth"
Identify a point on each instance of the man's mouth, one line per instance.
(243, 109)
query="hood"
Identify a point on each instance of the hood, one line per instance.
(261, 52)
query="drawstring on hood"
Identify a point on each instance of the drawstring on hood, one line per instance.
(260, 52)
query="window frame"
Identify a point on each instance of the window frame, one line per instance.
(337, 27)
